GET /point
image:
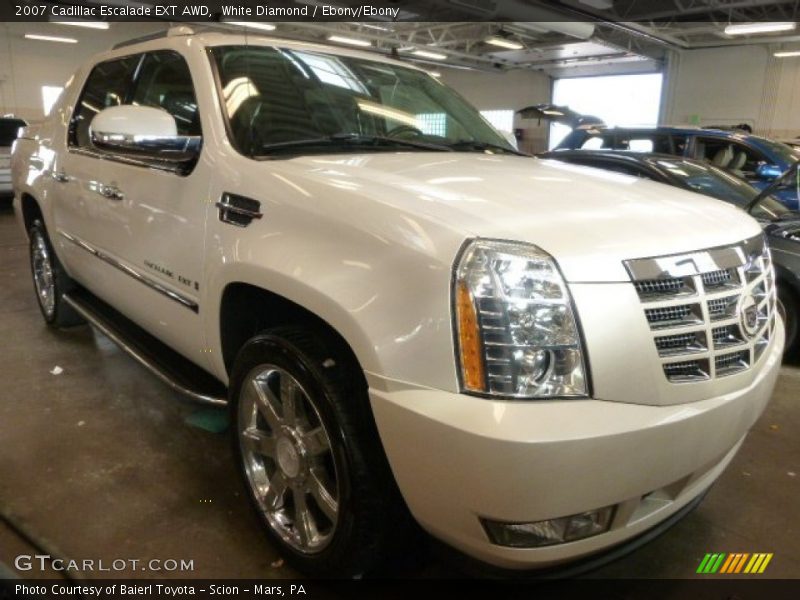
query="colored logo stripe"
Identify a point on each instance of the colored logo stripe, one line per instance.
(734, 563)
(711, 563)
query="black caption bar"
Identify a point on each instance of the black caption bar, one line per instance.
(211, 11)
(696, 589)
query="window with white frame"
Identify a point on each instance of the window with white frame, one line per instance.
(433, 123)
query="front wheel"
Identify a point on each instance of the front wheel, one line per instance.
(50, 280)
(310, 454)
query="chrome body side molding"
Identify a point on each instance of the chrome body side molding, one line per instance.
(149, 282)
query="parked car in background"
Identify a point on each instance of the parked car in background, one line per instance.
(755, 159)
(781, 225)
(9, 129)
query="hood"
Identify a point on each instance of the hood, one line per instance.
(589, 220)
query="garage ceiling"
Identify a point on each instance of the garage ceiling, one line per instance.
(554, 37)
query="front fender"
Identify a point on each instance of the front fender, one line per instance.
(389, 302)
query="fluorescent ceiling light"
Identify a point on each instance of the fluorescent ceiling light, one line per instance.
(372, 26)
(88, 24)
(431, 55)
(252, 25)
(406, 48)
(748, 28)
(503, 43)
(51, 38)
(434, 73)
(347, 40)
(787, 53)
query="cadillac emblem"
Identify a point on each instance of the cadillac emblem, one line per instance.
(748, 314)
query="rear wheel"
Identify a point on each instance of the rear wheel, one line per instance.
(50, 280)
(788, 307)
(310, 454)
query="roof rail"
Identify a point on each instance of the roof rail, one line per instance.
(171, 32)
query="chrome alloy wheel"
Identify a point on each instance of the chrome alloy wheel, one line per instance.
(288, 459)
(43, 279)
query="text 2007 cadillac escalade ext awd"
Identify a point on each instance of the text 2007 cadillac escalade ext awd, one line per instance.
(538, 361)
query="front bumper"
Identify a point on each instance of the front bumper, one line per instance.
(459, 458)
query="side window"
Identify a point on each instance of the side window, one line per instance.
(730, 155)
(678, 145)
(107, 85)
(164, 82)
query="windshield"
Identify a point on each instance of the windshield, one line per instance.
(278, 98)
(9, 129)
(714, 182)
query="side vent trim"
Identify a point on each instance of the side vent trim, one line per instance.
(238, 210)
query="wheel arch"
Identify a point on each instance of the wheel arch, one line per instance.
(246, 309)
(30, 210)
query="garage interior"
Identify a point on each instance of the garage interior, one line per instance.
(99, 458)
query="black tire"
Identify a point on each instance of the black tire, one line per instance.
(58, 314)
(372, 520)
(790, 307)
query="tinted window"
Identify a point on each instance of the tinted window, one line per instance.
(9, 129)
(164, 82)
(719, 184)
(107, 85)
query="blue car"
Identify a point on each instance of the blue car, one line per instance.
(756, 159)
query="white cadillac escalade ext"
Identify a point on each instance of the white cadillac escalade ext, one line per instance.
(539, 361)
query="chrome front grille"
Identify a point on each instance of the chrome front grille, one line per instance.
(712, 312)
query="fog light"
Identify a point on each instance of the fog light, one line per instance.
(550, 532)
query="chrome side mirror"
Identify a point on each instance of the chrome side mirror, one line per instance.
(142, 132)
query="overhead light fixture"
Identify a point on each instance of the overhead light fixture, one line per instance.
(787, 53)
(748, 28)
(373, 26)
(406, 48)
(502, 42)
(252, 25)
(87, 24)
(434, 73)
(50, 38)
(340, 39)
(431, 55)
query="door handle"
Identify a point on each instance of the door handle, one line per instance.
(62, 177)
(112, 192)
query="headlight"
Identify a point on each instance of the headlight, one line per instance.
(516, 331)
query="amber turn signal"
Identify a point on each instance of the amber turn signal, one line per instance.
(469, 341)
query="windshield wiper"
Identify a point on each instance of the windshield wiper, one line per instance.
(476, 146)
(348, 140)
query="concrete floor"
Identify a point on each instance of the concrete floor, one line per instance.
(100, 462)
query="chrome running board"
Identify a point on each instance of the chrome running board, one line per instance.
(180, 374)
